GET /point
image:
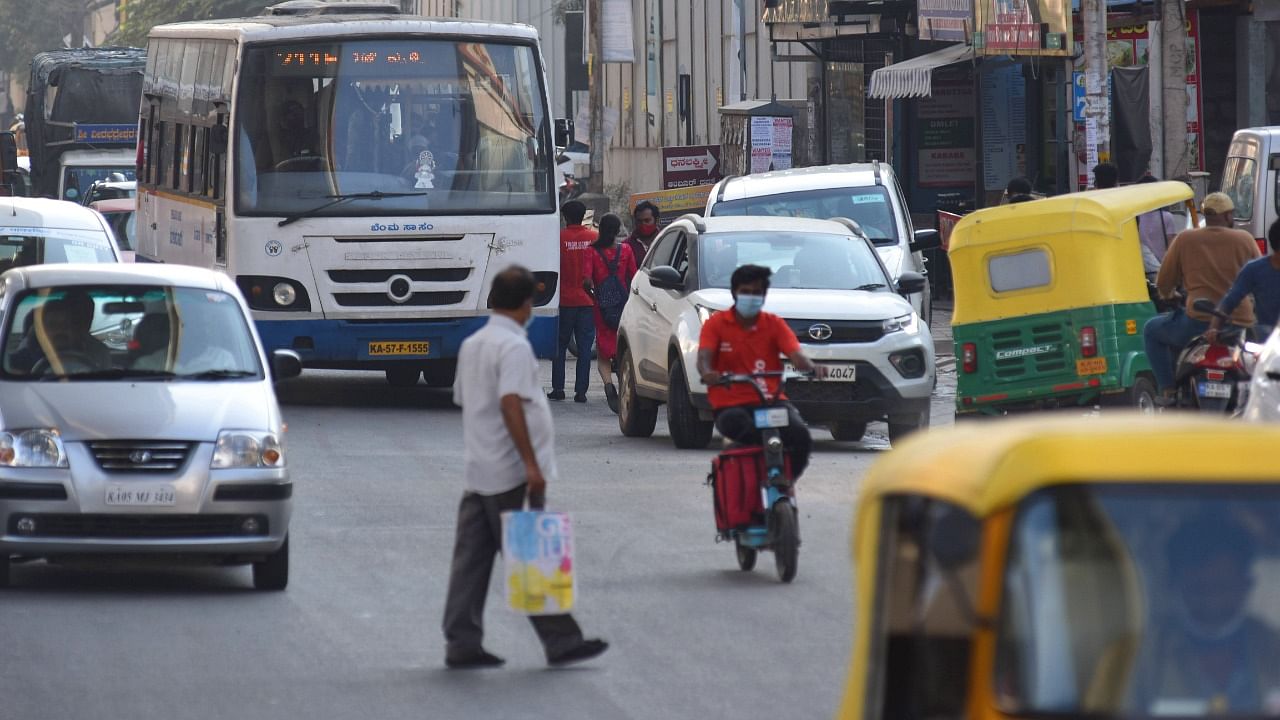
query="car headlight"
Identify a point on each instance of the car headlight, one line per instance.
(247, 449)
(32, 448)
(910, 324)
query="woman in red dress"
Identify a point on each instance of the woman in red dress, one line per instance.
(609, 259)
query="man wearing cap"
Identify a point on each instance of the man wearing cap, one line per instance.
(1204, 262)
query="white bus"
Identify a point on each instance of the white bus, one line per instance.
(362, 177)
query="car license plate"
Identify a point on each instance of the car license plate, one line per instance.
(383, 348)
(774, 417)
(1214, 390)
(1091, 366)
(141, 495)
(828, 372)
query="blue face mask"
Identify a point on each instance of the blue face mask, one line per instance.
(748, 306)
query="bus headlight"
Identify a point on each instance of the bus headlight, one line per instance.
(284, 294)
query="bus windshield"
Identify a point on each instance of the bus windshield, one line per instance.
(392, 127)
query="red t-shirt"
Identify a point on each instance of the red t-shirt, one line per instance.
(575, 265)
(740, 350)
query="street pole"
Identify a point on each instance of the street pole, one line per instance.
(1097, 100)
(595, 70)
(1173, 62)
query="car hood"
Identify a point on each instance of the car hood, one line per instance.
(818, 304)
(151, 410)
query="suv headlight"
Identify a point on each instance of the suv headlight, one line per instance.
(32, 448)
(910, 324)
(247, 449)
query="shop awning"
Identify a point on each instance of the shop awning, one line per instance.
(914, 77)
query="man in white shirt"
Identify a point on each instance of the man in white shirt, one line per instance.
(509, 455)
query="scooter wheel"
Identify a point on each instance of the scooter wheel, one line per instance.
(786, 544)
(746, 557)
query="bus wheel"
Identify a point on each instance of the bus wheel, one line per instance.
(403, 376)
(440, 373)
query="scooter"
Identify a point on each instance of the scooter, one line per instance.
(1214, 377)
(754, 491)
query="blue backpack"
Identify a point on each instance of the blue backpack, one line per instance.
(611, 294)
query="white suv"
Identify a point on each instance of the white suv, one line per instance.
(831, 287)
(867, 193)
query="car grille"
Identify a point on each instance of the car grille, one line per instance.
(157, 456)
(1043, 363)
(137, 526)
(842, 331)
(803, 391)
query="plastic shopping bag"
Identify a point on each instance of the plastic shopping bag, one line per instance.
(537, 552)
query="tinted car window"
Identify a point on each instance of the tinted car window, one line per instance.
(869, 206)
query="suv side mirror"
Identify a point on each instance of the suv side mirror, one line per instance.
(910, 283)
(285, 364)
(928, 239)
(666, 277)
(564, 132)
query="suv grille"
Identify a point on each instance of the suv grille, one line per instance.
(841, 331)
(140, 455)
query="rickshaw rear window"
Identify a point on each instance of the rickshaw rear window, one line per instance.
(1019, 271)
(1142, 601)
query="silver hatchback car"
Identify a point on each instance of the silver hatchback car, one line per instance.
(138, 418)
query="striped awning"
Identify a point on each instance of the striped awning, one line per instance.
(914, 77)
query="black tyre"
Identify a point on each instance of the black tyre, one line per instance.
(403, 376)
(688, 430)
(746, 557)
(4, 571)
(900, 429)
(273, 573)
(786, 543)
(1141, 396)
(847, 430)
(637, 416)
(440, 373)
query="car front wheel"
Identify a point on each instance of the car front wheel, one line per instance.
(688, 430)
(637, 416)
(273, 572)
(900, 428)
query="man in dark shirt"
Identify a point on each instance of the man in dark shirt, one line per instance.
(1261, 279)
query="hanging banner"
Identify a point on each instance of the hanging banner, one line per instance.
(618, 44)
(948, 20)
(1022, 27)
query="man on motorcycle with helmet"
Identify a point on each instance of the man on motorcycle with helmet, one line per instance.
(744, 340)
(1203, 261)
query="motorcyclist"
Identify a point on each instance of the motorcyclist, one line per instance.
(744, 340)
(1204, 261)
(1261, 279)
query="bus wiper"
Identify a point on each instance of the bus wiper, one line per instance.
(335, 199)
(871, 286)
(217, 374)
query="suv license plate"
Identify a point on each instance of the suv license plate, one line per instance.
(828, 372)
(141, 495)
(1214, 390)
(774, 417)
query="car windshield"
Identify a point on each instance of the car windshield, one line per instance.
(78, 179)
(815, 261)
(34, 246)
(869, 206)
(454, 127)
(1128, 601)
(115, 331)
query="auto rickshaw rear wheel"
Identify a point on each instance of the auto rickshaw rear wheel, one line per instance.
(746, 556)
(786, 543)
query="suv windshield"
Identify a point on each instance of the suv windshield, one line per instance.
(1128, 601)
(798, 260)
(20, 247)
(456, 127)
(113, 331)
(869, 206)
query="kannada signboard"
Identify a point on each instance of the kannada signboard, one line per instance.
(1022, 27)
(674, 203)
(948, 20)
(109, 134)
(690, 166)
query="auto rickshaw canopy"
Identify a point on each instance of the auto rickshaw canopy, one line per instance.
(1087, 241)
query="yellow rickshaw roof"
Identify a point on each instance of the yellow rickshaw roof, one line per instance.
(1095, 211)
(985, 467)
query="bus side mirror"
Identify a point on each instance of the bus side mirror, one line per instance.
(564, 132)
(8, 152)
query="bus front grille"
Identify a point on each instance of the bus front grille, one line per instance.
(417, 299)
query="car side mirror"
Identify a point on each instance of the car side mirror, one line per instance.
(564, 132)
(666, 278)
(910, 283)
(285, 364)
(928, 239)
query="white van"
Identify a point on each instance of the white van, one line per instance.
(1249, 177)
(37, 231)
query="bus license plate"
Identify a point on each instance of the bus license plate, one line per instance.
(1091, 366)
(384, 348)
(1214, 390)
(774, 417)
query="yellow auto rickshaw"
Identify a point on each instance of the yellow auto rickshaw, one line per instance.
(1050, 300)
(1116, 567)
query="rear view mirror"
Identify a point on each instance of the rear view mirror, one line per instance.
(564, 132)
(285, 364)
(124, 307)
(910, 283)
(666, 278)
(928, 239)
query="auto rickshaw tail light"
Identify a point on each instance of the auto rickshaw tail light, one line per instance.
(969, 357)
(1088, 342)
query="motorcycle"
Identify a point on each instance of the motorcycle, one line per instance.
(570, 186)
(754, 491)
(1215, 376)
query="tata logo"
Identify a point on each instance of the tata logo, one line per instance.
(820, 331)
(140, 457)
(1026, 351)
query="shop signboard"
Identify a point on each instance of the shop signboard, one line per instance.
(946, 20)
(690, 166)
(674, 203)
(1022, 27)
(944, 132)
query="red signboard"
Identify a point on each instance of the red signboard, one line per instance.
(946, 223)
(690, 166)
